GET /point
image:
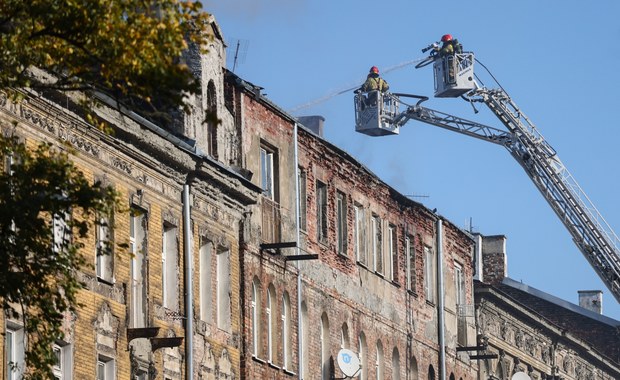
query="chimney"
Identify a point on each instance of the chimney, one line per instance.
(591, 300)
(314, 123)
(494, 261)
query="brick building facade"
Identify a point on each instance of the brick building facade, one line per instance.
(266, 248)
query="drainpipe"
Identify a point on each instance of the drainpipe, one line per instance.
(189, 294)
(440, 303)
(297, 211)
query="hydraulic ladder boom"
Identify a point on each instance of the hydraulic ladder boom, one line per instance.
(591, 233)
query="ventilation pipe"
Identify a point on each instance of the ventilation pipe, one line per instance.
(440, 302)
(189, 294)
(297, 211)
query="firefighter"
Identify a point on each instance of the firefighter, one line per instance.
(374, 83)
(447, 50)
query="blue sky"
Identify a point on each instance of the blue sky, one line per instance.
(558, 60)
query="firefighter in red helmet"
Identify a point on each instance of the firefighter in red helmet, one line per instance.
(450, 46)
(374, 83)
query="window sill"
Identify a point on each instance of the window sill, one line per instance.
(257, 359)
(396, 284)
(289, 373)
(273, 365)
(107, 282)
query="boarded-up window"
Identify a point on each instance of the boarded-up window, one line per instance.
(341, 222)
(321, 211)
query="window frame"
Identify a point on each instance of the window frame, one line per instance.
(341, 223)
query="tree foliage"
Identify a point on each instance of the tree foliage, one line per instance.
(47, 208)
(131, 49)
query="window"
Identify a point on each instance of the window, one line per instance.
(223, 290)
(321, 211)
(429, 274)
(267, 172)
(170, 267)
(395, 364)
(206, 302)
(287, 348)
(305, 342)
(341, 216)
(344, 336)
(62, 364)
(379, 364)
(325, 358)
(271, 323)
(211, 120)
(104, 262)
(392, 253)
(137, 237)
(256, 325)
(360, 235)
(105, 368)
(302, 199)
(459, 285)
(377, 245)
(363, 354)
(270, 207)
(410, 252)
(14, 341)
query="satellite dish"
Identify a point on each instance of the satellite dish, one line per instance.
(520, 376)
(348, 362)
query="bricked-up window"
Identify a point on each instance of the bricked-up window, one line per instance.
(105, 368)
(429, 274)
(255, 315)
(302, 176)
(223, 290)
(170, 266)
(377, 244)
(137, 239)
(325, 358)
(271, 324)
(206, 298)
(104, 255)
(410, 262)
(363, 354)
(380, 363)
(341, 222)
(269, 183)
(392, 253)
(15, 351)
(287, 343)
(359, 232)
(321, 211)
(62, 361)
(305, 342)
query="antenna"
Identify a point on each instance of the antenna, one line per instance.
(241, 50)
(349, 363)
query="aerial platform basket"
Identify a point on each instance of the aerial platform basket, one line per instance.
(375, 112)
(454, 75)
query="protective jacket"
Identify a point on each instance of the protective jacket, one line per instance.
(375, 83)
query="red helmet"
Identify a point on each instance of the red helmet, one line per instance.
(446, 38)
(374, 70)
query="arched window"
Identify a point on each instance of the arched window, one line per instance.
(324, 347)
(431, 373)
(413, 368)
(363, 354)
(255, 313)
(305, 341)
(380, 362)
(287, 350)
(395, 364)
(271, 323)
(452, 377)
(344, 336)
